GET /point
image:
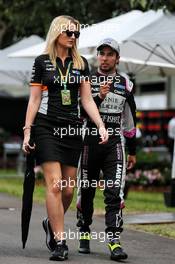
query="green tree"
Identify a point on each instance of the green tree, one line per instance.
(19, 18)
(153, 4)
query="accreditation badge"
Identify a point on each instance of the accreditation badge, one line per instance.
(65, 96)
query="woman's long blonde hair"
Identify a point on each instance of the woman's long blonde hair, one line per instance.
(58, 25)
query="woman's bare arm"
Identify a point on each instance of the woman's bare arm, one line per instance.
(32, 109)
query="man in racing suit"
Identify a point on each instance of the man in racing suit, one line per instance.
(113, 95)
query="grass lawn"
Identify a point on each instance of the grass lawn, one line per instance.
(8, 173)
(137, 202)
(167, 230)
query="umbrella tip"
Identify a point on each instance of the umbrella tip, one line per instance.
(23, 245)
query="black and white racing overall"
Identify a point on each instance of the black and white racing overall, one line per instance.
(118, 112)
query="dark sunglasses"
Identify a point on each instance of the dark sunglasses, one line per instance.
(70, 33)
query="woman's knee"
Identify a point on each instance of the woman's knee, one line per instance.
(52, 175)
(53, 187)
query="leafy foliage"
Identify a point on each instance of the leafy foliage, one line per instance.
(19, 18)
(23, 18)
(153, 4)
(150, 170)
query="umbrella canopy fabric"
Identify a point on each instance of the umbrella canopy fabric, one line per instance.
(132, 65)
(140, 66)
(119, 28)
(28, 188)
(156, 57)
(30, 52)
(18, 65)
(34, 51)
(135, 59)
(161, 31)
(157, 39)
(27, 199)
(15, 73)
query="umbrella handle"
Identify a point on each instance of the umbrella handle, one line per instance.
(32, 136)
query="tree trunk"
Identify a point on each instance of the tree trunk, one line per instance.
(3, 28)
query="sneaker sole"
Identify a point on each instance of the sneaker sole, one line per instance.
(59, 258)
(119, 257)
(84, 251)
(48, 238)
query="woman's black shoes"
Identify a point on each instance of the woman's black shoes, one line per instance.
(50, 241)
(61, 251)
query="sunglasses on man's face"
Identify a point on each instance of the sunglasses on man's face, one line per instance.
(71, 33)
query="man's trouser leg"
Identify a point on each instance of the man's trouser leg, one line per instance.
(113, 170)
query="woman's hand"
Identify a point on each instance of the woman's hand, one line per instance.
(26, 147)
(32, 109)
(103, 134)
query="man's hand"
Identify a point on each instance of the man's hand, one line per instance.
(131, 161)
(104, 89)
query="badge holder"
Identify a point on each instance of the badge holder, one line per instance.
(65, 97)
(65, 94)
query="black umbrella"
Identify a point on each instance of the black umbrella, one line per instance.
(27, 199)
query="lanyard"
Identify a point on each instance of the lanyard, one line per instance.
(64, 77)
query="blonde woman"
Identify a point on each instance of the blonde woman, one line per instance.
(58, 78)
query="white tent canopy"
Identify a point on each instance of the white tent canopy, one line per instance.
(15, 73)
(161, 32)
(34, 51)
(152, 27)
(157, 39)
(134, 59)
(30, 52)
(115, 27)
(119, 28)
(137, 66)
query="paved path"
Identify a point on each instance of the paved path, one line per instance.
(156, 218)
(141, 247)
